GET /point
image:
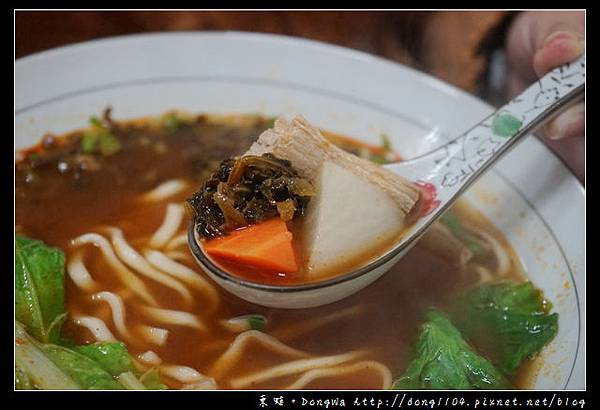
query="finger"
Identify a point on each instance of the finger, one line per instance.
(569, 124)
(529, 33)
(572, 152)
(557, 49)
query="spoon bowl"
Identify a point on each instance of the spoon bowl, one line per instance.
(443, 174)
(300, 296)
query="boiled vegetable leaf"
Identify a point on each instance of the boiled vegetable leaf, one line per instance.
(86, 372)
(445, 360)
(111, 356)
(34, 363)
(130, 381)
(152, 381)
(43, 359)
(507, 321)
(22, 381)
(104, 365)
(39, 288)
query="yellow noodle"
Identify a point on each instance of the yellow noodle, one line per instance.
(136, 261)
(293, 367)
(176, 242)
(179, 255)
(154, 335)
(173, 317)
(97, 327)
(169, 227)
(237, 324)
(79, 273)
(185, 274)
(183, 374)
(305, 326)
(312, 375)
(206, 384)
(117, 308)
(127, 277)
(164, 190)
(298, 328)
(502, 258)
(150, 358)
(483, 272)
(235, 351)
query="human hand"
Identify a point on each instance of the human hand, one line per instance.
(537, 42)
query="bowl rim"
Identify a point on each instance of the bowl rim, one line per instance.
(436, 82)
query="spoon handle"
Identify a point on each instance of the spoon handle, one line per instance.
(451, 169)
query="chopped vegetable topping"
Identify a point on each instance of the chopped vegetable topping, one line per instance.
(99, 139)
(39, 288)
(247, 190)
(247, 322)
(257, 322)
(171, 122)
(385, 153)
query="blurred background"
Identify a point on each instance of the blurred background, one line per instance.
(464, 48)
(454, 46)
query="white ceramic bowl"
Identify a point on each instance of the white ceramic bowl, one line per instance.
(529, 195)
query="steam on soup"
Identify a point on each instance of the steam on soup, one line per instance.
(108, 295)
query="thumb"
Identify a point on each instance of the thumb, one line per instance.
(557, 49)
(539, 41)
(569, 124)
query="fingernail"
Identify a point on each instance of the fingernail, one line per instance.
(563, 125)
(558, 48)
(565, 40)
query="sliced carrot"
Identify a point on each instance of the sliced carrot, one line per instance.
(267, 245)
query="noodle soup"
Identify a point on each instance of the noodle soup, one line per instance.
(111, 198)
